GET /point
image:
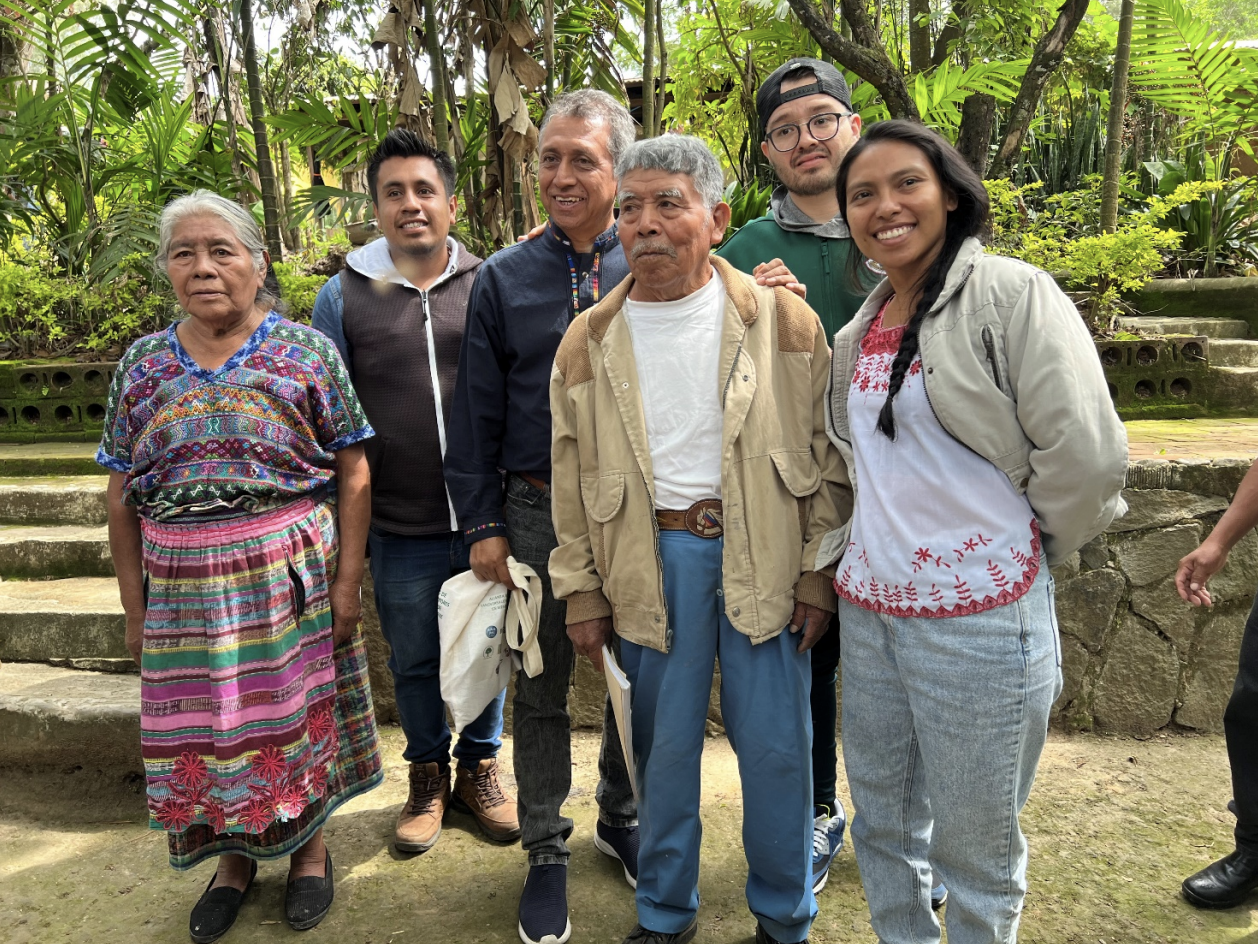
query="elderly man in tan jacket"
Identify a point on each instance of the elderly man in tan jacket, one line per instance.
(698, 505)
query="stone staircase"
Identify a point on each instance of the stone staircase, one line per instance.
(1231, 358)
(69, 692)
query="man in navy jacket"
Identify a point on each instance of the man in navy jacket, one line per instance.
(522, 301)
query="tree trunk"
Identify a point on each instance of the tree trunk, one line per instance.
(436, 62)
(863, 53)
(292, 234)
(974, 139)
(1114, 130)
(919, 35)
(266, 170)
(663, 70)
(1044, 61)
(548, 47)
(953, 30)
(648, 68)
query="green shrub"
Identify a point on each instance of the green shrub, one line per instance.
(298, 291)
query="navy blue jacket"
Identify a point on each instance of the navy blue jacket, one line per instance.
(521, 305)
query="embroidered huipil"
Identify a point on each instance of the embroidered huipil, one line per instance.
(937, 529)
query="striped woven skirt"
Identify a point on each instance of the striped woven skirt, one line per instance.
(253, 727)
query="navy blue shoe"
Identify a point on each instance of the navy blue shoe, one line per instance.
(619, 842)
(764, 937)
(544, 906)
(938, 897)
(827, 841)
(641, 935)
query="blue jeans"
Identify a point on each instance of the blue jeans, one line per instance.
(943, 724)
(408, 573)
(764, 700)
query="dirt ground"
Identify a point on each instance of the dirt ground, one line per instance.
(1114, 826)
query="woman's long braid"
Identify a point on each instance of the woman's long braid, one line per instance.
(932, 285)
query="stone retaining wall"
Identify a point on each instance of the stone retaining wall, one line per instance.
(1135, 658)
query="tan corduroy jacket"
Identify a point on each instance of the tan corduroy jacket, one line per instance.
(783, 483)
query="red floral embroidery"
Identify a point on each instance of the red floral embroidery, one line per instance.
(318, 781)
(319, 724)
(288, 801)
(215, 816)
(174, 812)
(257, 814)
(269, 763)
(190, 770)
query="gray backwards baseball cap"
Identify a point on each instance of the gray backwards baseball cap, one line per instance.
(829, 81)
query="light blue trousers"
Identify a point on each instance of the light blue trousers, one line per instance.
(943, 724)
(764, 700)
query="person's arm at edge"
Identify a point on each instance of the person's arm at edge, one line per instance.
(1203, 563)
(125, 549)
(353, 518)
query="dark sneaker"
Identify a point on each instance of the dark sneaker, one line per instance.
(764, 937)
(827, 840)
(544, 906)
(640, 935)
(938, 897)
(620, 842)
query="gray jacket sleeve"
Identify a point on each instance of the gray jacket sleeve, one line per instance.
(1079, 452)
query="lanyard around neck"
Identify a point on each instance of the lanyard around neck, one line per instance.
(574, 275)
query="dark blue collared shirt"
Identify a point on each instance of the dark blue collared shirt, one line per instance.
(521, 305)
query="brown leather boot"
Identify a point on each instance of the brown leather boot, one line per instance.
(419, 823)
(480, 794)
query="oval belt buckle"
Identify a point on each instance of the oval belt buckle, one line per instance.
(704, 519)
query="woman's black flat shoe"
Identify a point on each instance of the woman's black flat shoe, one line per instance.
(215, 912)
(307, 900)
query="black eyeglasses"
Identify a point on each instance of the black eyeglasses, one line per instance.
(822, 127)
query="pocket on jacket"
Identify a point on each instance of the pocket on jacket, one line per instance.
(993, 357)
(603, 495)
(799, 472)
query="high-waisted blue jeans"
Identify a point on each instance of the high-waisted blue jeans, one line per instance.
(764, 701)
(943, 724)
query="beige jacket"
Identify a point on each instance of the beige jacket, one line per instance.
(1011, 372)
(782, 481)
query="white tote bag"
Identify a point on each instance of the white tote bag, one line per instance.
(472, 617)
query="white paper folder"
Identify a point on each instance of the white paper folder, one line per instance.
(618, 688)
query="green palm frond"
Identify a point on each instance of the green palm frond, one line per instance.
(1181, 64)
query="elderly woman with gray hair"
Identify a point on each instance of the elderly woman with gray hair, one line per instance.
(237, 483)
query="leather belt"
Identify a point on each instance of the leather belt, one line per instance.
(532, 480)
(703, 519)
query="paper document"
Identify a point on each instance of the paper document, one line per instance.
(618, 688)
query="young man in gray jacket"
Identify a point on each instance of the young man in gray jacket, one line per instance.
(397, 313)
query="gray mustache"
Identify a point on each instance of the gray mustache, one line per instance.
(652, 245)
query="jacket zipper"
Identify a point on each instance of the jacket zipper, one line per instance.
(659, 560)
(436, 396)
(989, 342)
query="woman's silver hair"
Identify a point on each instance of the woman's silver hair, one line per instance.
(240, 220)
(677, 154)
(596, 105)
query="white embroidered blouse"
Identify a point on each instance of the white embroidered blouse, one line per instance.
(937, 529)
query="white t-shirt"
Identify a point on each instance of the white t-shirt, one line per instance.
(677, 346)
(937, 529)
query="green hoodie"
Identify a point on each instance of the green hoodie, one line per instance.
(818, 261)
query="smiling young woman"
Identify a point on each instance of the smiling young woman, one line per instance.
(970, 407)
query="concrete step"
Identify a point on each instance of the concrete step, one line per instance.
(46, 552)
(1210, 327)
(49, 459)
(1232, 352)
(57, 499)
(53, 717)
(78, 622)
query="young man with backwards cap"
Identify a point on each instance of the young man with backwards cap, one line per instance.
(806, 116)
